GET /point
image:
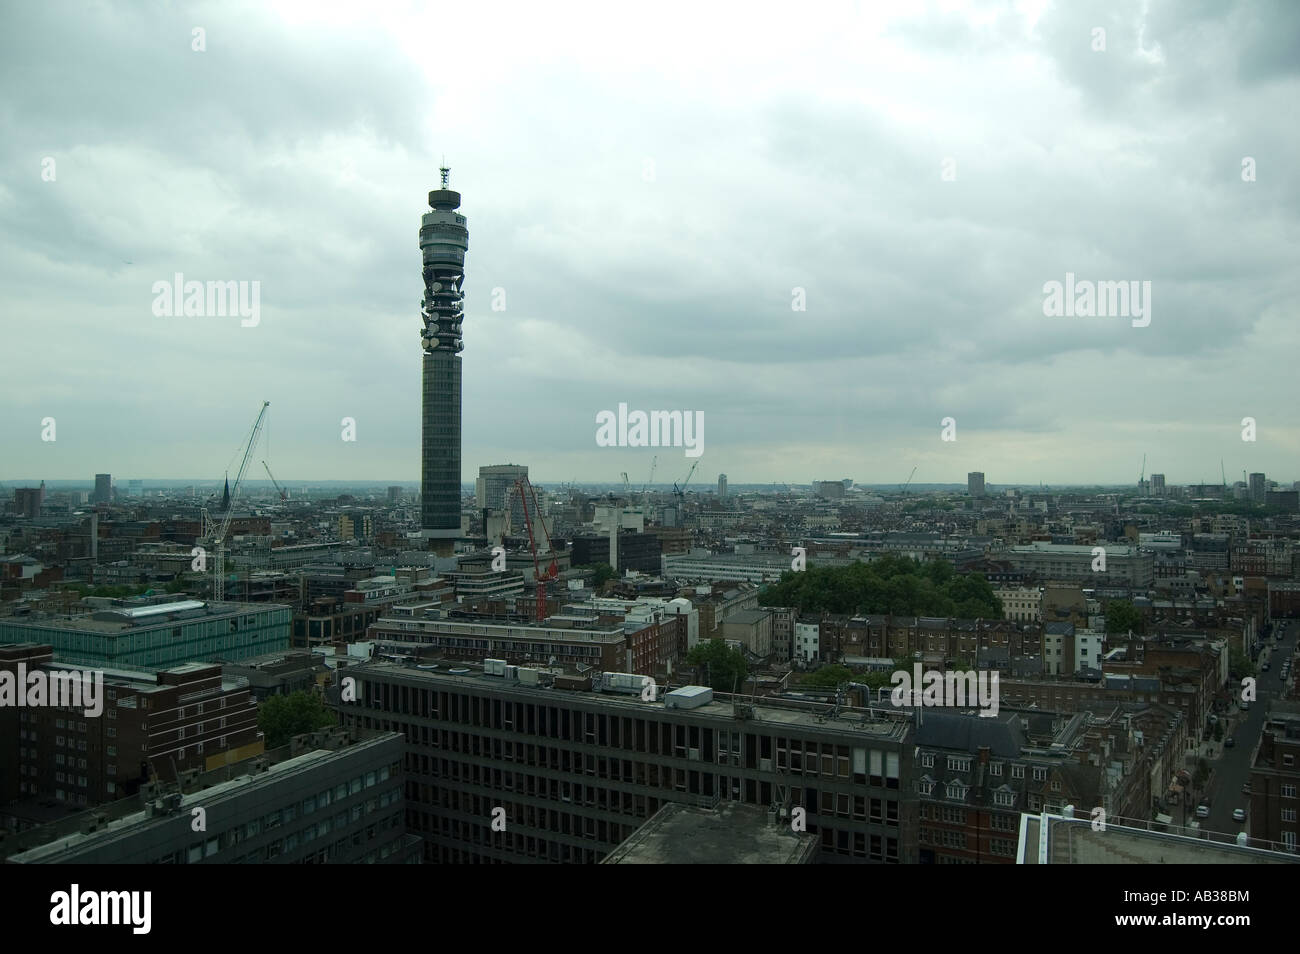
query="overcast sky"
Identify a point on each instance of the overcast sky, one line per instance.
(648, 185)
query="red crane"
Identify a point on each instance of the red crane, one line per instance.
(553, 571)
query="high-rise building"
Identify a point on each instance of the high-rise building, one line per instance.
(103, 488)
(495, 490)
(975, 483)
(1257, 487)
(722, 485)
(444, 239)
(28, 500)
(1157, 485)
(395, 494)
(135, 488)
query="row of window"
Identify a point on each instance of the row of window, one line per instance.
(962, 763)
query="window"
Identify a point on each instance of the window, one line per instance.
(1040, 774)
(1288, 791)
(956, 764)
(995, 768)
(1017, 771)
(927, 760)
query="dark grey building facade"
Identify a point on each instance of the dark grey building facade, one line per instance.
(341, 803)
(574, 773)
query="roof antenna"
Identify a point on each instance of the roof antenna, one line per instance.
(445, 172)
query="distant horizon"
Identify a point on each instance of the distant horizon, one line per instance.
(158, 483)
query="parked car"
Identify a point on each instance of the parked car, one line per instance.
(1264, 666)
(1203, 810)
(1239, 814)
(1245, 789)
(1229, 742)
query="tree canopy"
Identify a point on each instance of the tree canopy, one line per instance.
(892, 584)
(1122, 616)
(282, 717)
(726, 667)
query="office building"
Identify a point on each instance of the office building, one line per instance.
(636, 551)
(325, 797)
(1258, 487)
(829, 489)
(157, 635)
(724, 567)
(150, 724)
(579, 772)
(495, 489)
(975, 484)
(28, 501)
(1157, 485)
(444, 240)
(722, 485)
(103, 489)
(1068, 562)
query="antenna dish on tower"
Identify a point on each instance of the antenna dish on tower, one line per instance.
(445, 172)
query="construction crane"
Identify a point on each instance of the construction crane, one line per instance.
(903, 489)
(651, 479)
(1142, 477)
(681, 491)
(214, 533)
(627, 488)
(525, 492)
(284, 494)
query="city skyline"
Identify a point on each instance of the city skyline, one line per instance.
(827, 240)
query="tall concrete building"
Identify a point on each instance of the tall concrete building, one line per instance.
(444, 239)
(1257, 487)
(103, 488)
(28, 501)
(975, 484)
(495, 490)
(722, 485)
(1157, 485)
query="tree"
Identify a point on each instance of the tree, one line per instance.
(890, 584)
(1240, 665)
(828, 677)
(1122, 616)
(1202, 773)
(602, 572)
(726, 668)
(280, 718)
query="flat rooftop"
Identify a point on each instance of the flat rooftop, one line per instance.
(731, 833)
(876, 723)
(1056, 840)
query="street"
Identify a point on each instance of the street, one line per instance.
(1232, 769)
